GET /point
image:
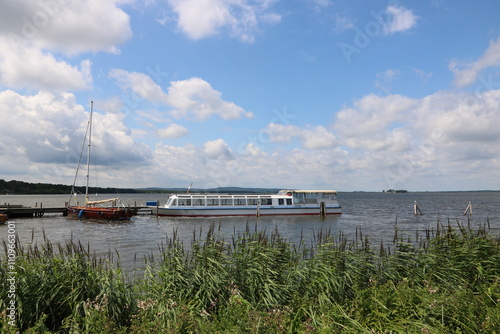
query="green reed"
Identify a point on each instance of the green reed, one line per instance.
(445, 279)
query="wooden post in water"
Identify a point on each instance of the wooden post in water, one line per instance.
(322, 209)
(416, 209)
(258, 209)
(468, 210)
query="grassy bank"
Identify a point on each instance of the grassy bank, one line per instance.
(445, 280)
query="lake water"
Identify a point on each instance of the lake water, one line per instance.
(375, 214)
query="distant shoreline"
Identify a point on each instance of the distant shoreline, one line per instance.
(15, 187)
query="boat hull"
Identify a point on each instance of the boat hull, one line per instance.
(100, 213)
(247, 211)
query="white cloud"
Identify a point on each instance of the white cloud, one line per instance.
(46, 131)
(467, 73)
(371, 115)
(35, 34)
(396, 139)
(311, 137)
(281, 133)
(195, 98)
(453, 119)
(217, 149)
(379, 142)
(203, 18)
(173, 131)
(400, 19)
(141, 84)
(318, 137)
(69, 26)
(25, 66)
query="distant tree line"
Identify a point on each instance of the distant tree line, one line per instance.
(20, 187)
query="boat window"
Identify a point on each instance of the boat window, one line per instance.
(199, 201)
(226, 201)
(253, 201)
(184, 202)
(288, 201)
(311, 197)
(240, 201)
(266, 201)
(299, 198)
(281, 201)
(212, 201)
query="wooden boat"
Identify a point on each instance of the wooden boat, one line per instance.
(99, 212)
(286, 202)
(94, 209)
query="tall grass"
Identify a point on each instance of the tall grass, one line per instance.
(446, 281)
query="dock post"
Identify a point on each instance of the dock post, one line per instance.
(468, 210)
(157, 202)
(322, 209)
(416, 209)
(258, 209)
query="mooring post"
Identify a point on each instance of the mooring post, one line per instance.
(322, 209)
(468, 210)
(416, 209)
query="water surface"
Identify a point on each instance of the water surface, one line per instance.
(375, 214)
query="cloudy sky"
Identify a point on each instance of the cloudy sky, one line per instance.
(333, 94)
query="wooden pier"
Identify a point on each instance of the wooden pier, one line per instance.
(20, 211)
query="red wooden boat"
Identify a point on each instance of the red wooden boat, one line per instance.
(82, 212)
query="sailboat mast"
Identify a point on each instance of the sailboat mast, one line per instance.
(88, 152)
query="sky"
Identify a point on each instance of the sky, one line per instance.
(352, 95)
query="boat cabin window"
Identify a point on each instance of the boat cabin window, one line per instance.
(226, 201)
(266, 201)
(198, 201)
(171, 201)
(240, 201)
(252, 201)
(329, 196)
(281, 201)
(212, 201)
(298, 198)
(184, 202)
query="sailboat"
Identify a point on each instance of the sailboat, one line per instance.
(93, 209)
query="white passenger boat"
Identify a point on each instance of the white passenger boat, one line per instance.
(286, 202)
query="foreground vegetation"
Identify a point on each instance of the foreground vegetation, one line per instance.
(445, 280)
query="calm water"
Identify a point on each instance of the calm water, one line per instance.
(376, 214)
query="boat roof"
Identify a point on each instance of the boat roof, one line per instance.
(310, 191)
(281, 192)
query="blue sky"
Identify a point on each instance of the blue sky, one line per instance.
(347, 95)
